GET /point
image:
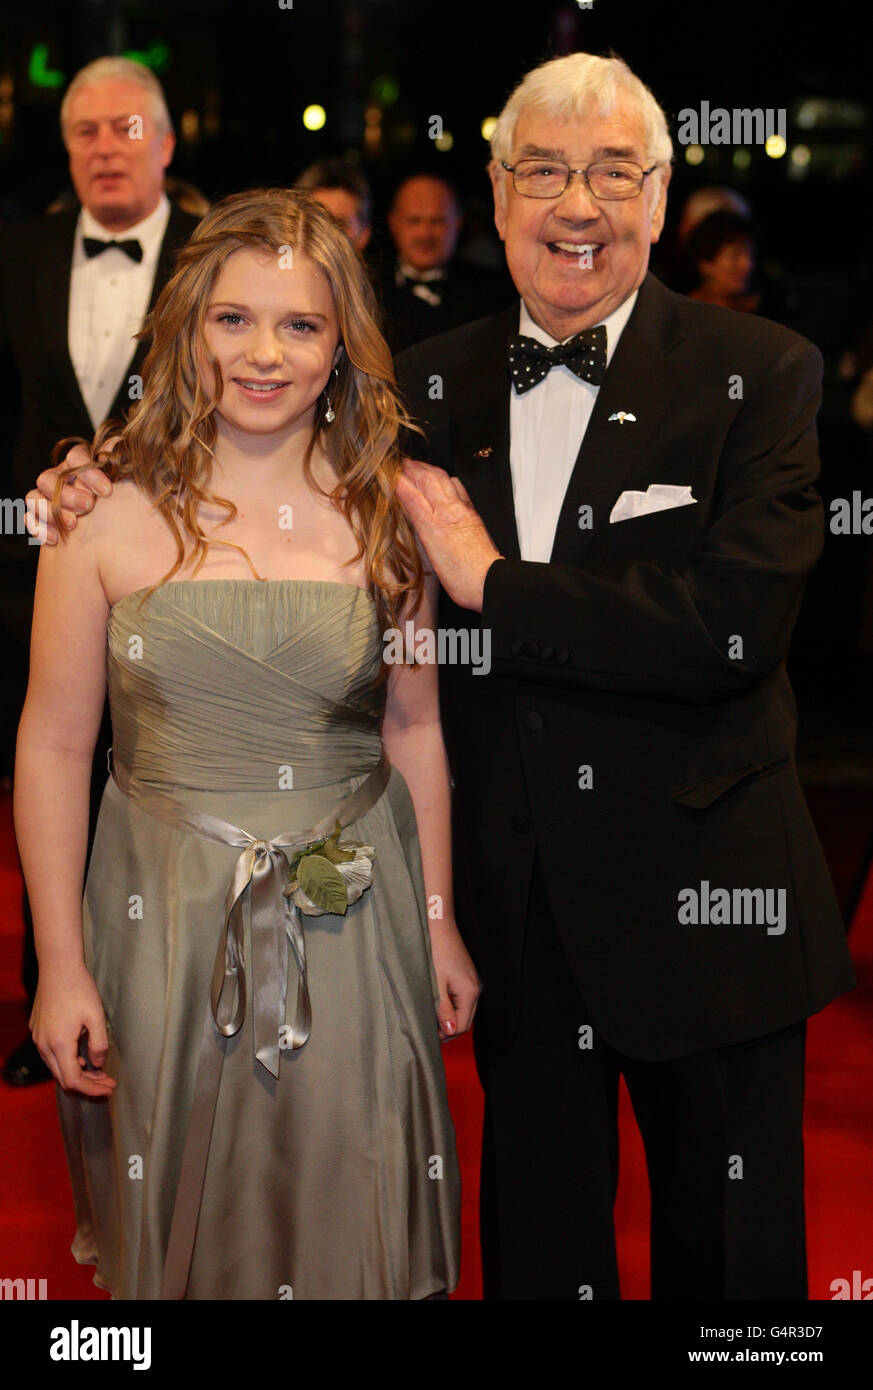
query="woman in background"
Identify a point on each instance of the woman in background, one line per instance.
(722, 250)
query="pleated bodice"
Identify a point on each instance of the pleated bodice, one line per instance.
(227, 684)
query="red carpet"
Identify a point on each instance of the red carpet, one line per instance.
(36, 1221)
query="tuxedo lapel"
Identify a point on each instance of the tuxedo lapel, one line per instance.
(53, 294)
(641, 382)
(479, 396)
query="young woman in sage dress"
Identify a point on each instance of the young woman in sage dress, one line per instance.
(244, 1016)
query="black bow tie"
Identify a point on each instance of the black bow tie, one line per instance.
(584, 354)
(430, 291)
(94, 247)
(412, 277)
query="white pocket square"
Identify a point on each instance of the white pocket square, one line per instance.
(658, 497)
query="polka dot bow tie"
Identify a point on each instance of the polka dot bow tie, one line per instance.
(584, 354)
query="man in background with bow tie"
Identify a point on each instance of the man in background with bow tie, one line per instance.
(620, 489)
(75, 288)
(425, 288)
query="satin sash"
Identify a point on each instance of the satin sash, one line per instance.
(254, 896)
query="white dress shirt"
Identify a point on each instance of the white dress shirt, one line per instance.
(109, 298)
(547, 424)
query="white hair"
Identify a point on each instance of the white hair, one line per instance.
(562, 88)
(119, 70)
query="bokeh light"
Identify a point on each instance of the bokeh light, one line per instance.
(314, 117)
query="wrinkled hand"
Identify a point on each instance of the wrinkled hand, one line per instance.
(459, 985)
(65, 1006)
(450, 529)
(77, 497)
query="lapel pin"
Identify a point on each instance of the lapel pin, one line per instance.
(483, 453)
(622, 415)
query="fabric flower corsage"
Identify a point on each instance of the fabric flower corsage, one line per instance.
(328, 875)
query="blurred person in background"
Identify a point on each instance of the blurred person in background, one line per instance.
(75, 288)
(722, 248)
(669, 258)
(704, 201)
(341, 188)
(426, 288)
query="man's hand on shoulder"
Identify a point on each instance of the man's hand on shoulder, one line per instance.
(453, 534)
(77, 497)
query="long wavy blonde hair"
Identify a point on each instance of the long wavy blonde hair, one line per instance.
(166, 444)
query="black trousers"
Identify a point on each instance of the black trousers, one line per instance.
(723, 1138)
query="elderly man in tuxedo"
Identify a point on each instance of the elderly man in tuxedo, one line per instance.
(74, 290)
(620, 491)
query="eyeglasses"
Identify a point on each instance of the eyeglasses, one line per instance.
(610, 180)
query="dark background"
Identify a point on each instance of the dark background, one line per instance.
(253, 67)
(246, 70)
(238, 76)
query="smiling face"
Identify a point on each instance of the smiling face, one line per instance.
(574, 259)
(119, 179)
(275, 335)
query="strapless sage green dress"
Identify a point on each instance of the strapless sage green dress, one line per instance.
(280, 1127)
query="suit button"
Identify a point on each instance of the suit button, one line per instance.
(533, 648)
(563, 656)
(517, 648)
(520, 824)
(533, 721)
(547, 653)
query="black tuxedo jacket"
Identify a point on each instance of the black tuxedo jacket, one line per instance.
(41, 400)
(467, 292)
(621, 655)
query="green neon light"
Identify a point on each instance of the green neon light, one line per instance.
(156, 56)
(38, 71)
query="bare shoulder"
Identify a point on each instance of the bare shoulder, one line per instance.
(126, 513)
(127, 505)
(130, 540)
(107, 527)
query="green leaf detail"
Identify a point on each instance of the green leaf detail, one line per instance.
(335, 855)
(323, 884)
(314, 848)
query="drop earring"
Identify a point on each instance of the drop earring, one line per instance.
(330, 413)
